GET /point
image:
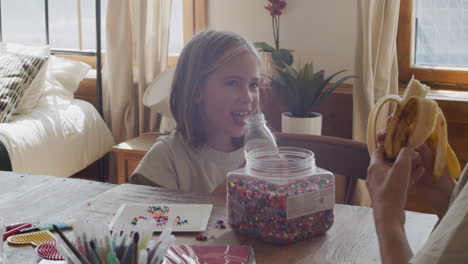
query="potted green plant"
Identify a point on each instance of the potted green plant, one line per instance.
(302, 91)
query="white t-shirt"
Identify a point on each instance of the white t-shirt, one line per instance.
(173, 163)
(448, 243)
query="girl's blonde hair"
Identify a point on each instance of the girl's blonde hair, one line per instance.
(206, 52)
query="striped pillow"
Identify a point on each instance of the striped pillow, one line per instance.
(17, 71)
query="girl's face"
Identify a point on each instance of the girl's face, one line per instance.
(228, 95)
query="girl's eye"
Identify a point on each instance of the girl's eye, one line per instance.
(233, 83)
(254, 85)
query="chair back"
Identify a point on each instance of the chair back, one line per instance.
(338, 155)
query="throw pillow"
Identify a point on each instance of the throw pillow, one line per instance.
(68, 73)
(33, 92)
(35, 89)
(17, 72)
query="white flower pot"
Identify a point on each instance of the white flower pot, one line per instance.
(301, 125)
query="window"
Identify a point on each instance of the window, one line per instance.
(67, 25)
(187, 18)
(71, 24)
(433, 41)
(176, 33)
(23, 25)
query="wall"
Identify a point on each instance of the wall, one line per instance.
(321, 31)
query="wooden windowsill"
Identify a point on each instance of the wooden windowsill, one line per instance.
(434, 94)
(447, 95)
(442, 92)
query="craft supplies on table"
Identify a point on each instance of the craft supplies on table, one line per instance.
(180, 217)
(15, 230)
(281, 197)
(94, 243)
(47, 226)
(18, 224)
(48, 250)
(33, 226)
(47, 261)
(35, 238)
(181, 254)
(27, 232)
(191, 254)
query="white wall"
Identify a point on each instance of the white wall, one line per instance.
(321, 31)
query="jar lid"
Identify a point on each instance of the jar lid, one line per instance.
(284, 162)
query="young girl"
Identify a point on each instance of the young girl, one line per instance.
(215, 87)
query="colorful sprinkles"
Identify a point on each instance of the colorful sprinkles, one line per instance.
(201, 238)
(160, 214)
(257, 208)
(204, 238)
(179, 222)
(135, 219)
(220, 224)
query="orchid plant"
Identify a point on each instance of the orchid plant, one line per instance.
(282, 57)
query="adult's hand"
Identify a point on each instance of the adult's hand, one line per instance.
(388, 182)
(436, 193)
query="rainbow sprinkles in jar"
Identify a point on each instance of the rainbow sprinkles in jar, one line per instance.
(281, 197)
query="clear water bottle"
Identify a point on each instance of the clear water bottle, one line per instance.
(257, 134)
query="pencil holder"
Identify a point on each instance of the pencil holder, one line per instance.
(281, 196)
(94, 243)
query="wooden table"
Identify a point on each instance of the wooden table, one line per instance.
(352, 238)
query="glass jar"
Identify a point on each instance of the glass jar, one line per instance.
(280, 197)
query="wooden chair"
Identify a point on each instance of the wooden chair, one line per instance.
(338, 155)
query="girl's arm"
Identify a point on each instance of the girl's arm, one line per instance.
(137, 178)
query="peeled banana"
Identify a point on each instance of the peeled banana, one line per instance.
(415, 120)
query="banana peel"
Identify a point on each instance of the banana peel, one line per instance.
(451, 162)
(415, 121)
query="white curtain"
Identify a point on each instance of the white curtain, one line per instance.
(376, 64)
(137, 50)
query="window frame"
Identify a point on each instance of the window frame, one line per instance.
(405, 57)
(194, 20)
